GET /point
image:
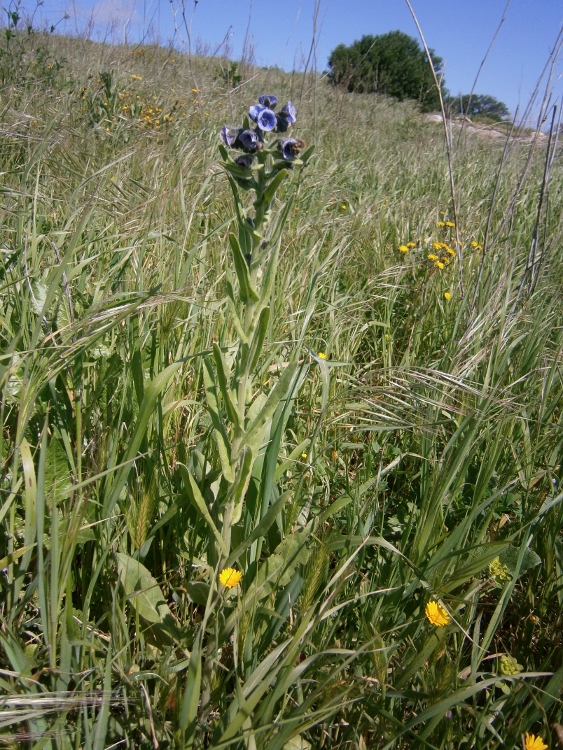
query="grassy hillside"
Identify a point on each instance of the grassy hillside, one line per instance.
(366, 427)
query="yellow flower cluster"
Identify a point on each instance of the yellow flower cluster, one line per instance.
(509, 665)
(476, 246)
(499, 571)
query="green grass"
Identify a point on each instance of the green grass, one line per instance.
(426, 446)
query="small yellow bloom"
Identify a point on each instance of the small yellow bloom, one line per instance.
(403, 248)
(450, 250)
(432, 257)
(334, 454)
(230, 577)
(440, 224)
(321, 355)
(436, 614)
(498, 570)
(439, 264)
(474, 244)
(531, 742)
(304, 456)
(447, 295)
(450, 224)
(411, 244)
(344, 207)
(437, 245)
(509, 665)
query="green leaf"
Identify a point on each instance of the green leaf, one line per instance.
(142, 590)
(224, 385)
(253, 435)
(509, 557)
(223, 445)
(199, 502)
(241, 268)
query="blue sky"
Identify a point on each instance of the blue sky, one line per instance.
(460, 31)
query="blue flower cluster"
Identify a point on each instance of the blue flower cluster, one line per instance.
(251, 140)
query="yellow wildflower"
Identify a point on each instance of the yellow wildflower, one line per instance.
(439, 264)
(344, 207)
(436, 614)
(447, 295)
(437, 245)
(334, 454)
(450, 224)
(230, 577)
(403, 248)
(440, 224)
(450, 250)
(411, 244)
(432, 257)
(304, 456)
(509, 665)
(321, 355)
(531, 742)
(498, 570)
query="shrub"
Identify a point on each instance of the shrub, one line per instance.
(478, 106)
(393, 64)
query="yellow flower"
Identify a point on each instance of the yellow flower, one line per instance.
(440, 224)
(509, 665)
(531, 742)
(432, 257)
(230, 577)
(498, 570)
(403, 248)
(344, 207)
(321, 355)
(334, 454)
(450, 250)
(436, 614)
(447, 295)
(411, 244)
(450, 224)
(439, 264)
(304, 456)
(437, 245)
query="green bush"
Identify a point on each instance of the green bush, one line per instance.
(392, 64)
(478, 105)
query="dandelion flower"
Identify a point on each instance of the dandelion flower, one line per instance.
(432, 257)
(437, 245)
(450, 250)
(411, 244)
(531, 742)
(439, 264)
(304, 456)
(344, 207)
(440, 223)
(334, 454)
(436, 614)
(321, 355)
(447, 295)
(403, 248)
(450, 224)
(230, 577)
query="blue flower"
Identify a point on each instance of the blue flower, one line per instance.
(249, 139)
(289, 112)
(268, 100)
(262, 116)
(290, 148)
(244, 161)
(229, 135)
(286, 117)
